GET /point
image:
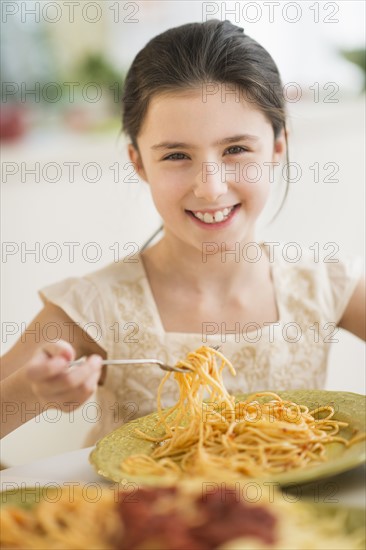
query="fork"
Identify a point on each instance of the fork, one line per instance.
(157, 362)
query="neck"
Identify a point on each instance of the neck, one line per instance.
(215, 267)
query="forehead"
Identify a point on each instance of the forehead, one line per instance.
(198, 112)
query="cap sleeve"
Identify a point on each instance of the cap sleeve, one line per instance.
(341, 280)
(80, 300)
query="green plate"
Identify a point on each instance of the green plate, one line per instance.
(27, 497)
(350, 407)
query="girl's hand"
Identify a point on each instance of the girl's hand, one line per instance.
(54, 384)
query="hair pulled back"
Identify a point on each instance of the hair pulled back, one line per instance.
(197, 54)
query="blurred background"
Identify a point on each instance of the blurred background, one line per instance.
(65, 172)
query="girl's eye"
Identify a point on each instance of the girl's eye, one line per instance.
(176, 156)
(235, 150)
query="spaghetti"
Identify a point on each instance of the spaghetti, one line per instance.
(207, 433)
(68, 523)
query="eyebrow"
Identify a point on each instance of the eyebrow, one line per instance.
(181, 145)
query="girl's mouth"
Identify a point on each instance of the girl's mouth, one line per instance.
(214, 218)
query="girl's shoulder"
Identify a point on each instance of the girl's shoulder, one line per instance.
(293, 259)
(98, 282)
(321, 276)
(125, 270)
(91, 300)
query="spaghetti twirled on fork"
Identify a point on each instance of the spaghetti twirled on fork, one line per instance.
(208, 433)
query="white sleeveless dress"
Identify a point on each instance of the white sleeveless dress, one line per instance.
(116, 307)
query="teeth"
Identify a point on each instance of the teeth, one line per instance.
(217, 217)
(208, 218)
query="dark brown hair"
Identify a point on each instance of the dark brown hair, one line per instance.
(198, 54)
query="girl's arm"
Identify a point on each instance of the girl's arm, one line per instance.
(353, 318)
(34, 374)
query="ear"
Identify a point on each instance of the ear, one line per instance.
(136, 160)
(280, 146)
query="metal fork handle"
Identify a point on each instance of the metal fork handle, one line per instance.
(139, 362)
(133, 362)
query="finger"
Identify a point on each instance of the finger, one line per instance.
(68, 401)
(69, 379)
(40, 369)
(61, 347)
(92, 383)
(76, 396)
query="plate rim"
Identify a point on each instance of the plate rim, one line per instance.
(293, 477)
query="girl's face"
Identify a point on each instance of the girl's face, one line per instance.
(208, 163)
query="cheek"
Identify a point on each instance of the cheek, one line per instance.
(255, 188)
(166, 196)
(256, 176)
(168, 188)
(255, 195)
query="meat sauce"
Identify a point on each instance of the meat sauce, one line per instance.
(154, 520)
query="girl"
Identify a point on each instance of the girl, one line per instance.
(205, 115)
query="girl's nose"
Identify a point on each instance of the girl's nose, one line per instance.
(210, 183)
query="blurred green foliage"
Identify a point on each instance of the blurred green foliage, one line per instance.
(358, 57)
(97, 69)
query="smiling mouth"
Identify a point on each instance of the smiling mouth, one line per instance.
(213, 216)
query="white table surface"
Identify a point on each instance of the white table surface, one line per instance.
(347, 489)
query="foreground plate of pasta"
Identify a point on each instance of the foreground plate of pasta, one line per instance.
(285, 437)
(179, 518)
